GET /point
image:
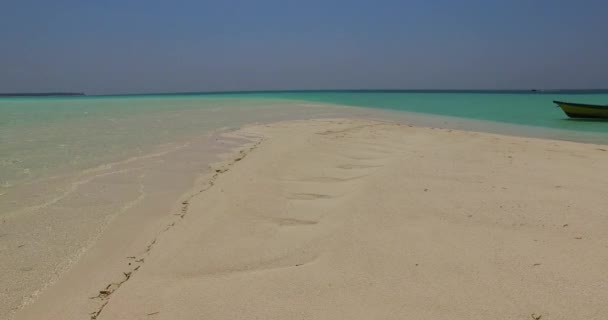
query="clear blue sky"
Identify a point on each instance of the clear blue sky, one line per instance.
(118, 46)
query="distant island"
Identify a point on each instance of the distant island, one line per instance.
(41, 94)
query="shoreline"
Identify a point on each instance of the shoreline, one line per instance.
(27, 232)
(333, 110)
(51, 302)
(439, 121)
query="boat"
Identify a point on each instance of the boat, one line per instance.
(582, 110)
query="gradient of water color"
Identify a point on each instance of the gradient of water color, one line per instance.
(520, 108)
(44, 136)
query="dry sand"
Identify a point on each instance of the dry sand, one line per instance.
(354, 219)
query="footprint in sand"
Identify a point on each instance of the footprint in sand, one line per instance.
(309, 196)
(293, 221)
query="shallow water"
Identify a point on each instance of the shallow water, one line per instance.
(40, 137)
(519, 108)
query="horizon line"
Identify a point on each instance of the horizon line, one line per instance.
(84, 94)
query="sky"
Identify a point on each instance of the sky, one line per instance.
(123, 46)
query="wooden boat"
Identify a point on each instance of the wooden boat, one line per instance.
(581, 110)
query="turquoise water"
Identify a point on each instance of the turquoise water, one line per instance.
(516, 107)
(44, 136)
(40, 137)
(529, 109)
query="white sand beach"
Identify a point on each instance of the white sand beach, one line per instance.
(361, 219)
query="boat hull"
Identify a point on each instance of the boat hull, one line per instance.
(580, 110)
